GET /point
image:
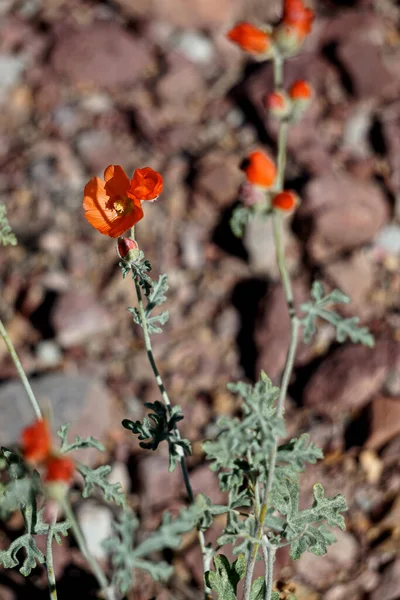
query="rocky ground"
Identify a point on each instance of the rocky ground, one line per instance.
(84, 84)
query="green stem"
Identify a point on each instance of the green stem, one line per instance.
(294, 326)
(20, 369)
(167, 402)
(94, 565)
(49, 559)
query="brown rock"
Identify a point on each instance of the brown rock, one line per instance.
(390, 583)
(181, 13)
(76, 399)
(77, 316)
(219, 177)
(345, 213)
(385, 421)
(348, 378)
(322, 572)
(272, 334)
(355, 277)
(102, 54)
(159, 487)
(365, 64)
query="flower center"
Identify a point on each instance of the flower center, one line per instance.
(123, 206)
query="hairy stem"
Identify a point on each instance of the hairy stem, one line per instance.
(94, 565)
(269, 557)
(167, 402)
(294, 326)
(20, 369)
(49, 559)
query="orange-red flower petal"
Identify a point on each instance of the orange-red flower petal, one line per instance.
(36, 441)
(260, 169)
(298, 16)
(59, 468)
(300, 90)
(99, 203)
(146, 184)
(285, 201)
(250, 38)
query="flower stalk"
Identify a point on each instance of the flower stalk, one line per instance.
(49, 559)
(164, 395)
(289, 363)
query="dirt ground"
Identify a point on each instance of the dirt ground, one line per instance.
(84, 84)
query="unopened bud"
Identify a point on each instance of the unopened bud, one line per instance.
(278, 104)
(285, 201)
(128, 249)
(301, 94)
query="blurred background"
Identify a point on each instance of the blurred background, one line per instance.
(84, 84)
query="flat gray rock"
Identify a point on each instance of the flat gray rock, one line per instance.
(80, 400)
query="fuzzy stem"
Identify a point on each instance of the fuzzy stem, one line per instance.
(269, 557)
(20, 369)
(49, 559)
(94, 565)
(294, 326)
(167, 402)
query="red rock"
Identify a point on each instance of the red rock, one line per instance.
(102, 54)
(345, 213)
(348, 378)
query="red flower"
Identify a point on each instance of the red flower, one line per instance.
(285, 201)
(298, 17)
(36, 441)
(300, 90)
(59, 469)
(260, 170)
(250, 38)
(113, 205)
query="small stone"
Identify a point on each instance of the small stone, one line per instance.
(388, 239)
(11, 68)
(219, 178)
(195, 46)
(95, 521)
(159, 487)
(365, 63)
(48, 354)
(119, 474)
(371, 465)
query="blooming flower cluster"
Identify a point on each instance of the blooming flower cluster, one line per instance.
(276, 43)
(114, 204)
(37, 450)
(285, 39)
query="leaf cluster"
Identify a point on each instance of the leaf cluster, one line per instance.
(139, 269)
(127, 554)
(226, 577)
(7, 236)
(155, 298)
(21, 493)
(317, 309)
(158, 426)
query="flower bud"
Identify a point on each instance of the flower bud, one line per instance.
(251, 39)
(285, 201)
(295, 26)
(301, 94)
(128, 249)
(58, 476)
(260, 170)
(278, 104)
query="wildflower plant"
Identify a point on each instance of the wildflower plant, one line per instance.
(258, 467)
